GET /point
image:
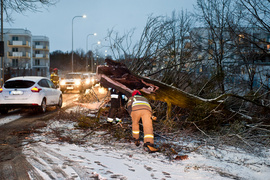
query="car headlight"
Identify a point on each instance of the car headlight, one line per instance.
(77, 82)
(93, 80)
(87, 81)
(63, 82)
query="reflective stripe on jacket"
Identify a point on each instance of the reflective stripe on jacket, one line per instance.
(137, 103)
(54, 77)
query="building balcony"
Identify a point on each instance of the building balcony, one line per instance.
(12, 44)
(41, 56)
(18, 55)
(41, 47)
(41, 64)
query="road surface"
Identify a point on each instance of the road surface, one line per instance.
(13, 164)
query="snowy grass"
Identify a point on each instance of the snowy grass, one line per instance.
(99, 156)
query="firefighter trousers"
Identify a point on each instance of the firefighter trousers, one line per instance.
(115, 113)
(145, 115)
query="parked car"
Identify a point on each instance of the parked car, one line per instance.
(89, 79)
(29, 92)
(72, 81)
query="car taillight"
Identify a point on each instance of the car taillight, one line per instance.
(1, 89)
(35, 89)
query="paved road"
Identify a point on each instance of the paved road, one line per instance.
(13, 165)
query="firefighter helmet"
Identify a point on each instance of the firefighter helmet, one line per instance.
(136, 92)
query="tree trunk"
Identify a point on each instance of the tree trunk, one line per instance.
(116, 75)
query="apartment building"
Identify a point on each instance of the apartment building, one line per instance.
(243, 53)
(41, 60)
(25, 54)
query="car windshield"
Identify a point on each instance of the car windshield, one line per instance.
(19, 84)
(73, 76)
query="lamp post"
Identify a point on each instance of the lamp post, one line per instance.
(84, 16)
(2, 41)
(87, 49)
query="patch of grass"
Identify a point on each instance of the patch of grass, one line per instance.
(121, 132)
(87, 122)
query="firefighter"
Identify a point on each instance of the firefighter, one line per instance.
(55, 77)
(139, 108)
(115, 112)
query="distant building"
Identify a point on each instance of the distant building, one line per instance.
(239, 52)
(25, 54)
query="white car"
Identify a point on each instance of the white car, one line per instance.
(29, 92)
(72, 81)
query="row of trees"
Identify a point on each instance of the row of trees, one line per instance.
(81, 61)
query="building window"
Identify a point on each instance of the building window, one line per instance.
(37, 52)
(15, 62)
(37, 43)
(37, 62)
(15, 50)
(15, 38)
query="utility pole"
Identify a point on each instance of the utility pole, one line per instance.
(2, 45)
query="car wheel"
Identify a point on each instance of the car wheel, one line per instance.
(43, 106)
(60, 102)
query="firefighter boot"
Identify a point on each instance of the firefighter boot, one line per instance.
(149, 147)
(118, 120)
(109, 120)
(137, 142)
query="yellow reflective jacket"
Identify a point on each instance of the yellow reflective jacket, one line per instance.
(138, 102)
(54, 77)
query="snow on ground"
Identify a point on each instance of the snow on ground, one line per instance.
(9, 119)
(95, 159)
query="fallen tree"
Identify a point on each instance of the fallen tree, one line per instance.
(117, 75)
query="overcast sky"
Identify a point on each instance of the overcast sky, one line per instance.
(122, 15)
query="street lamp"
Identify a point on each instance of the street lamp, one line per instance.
(84, 16)
(87, 49)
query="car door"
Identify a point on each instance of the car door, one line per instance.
(47, 90)
(55, 93)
